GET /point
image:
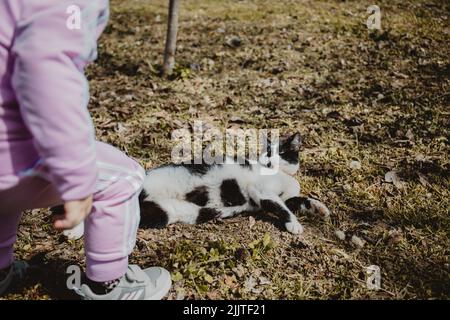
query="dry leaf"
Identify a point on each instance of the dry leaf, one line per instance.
(250, 283)
(392, 177)
(230, 281)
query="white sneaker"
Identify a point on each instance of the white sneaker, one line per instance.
(137, 284)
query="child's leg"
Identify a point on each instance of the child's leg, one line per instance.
(8, 229)
(31, 192)
(110, 230)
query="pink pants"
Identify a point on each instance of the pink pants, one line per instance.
(110, 229)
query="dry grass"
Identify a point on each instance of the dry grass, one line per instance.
(381, 99)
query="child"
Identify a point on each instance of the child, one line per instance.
(48, 155)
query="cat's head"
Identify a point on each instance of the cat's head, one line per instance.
(282, 155)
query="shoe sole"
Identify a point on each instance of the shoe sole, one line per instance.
(164, 290)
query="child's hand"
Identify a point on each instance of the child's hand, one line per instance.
(74, 213)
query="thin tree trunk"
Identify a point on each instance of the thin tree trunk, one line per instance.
(171, 41)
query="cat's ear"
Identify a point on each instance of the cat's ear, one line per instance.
(295, 142)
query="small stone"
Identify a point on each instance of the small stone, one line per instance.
(390, 176)
(355, 165)
(357, 241)
(340, 234)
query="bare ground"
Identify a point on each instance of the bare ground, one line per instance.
(379, 99)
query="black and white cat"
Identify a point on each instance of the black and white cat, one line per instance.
(197, 193)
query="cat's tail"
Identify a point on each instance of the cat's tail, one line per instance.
(158, 213)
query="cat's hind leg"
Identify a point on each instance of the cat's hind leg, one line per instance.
(159, 213)
(228, 212)
(153, 215)
(187, 212)
(308, 205)
(273, 203)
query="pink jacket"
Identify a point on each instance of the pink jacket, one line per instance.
(44, 94)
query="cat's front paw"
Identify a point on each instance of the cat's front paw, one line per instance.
(294, 227)
(75, 233)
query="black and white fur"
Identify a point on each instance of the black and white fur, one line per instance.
(197, 193)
